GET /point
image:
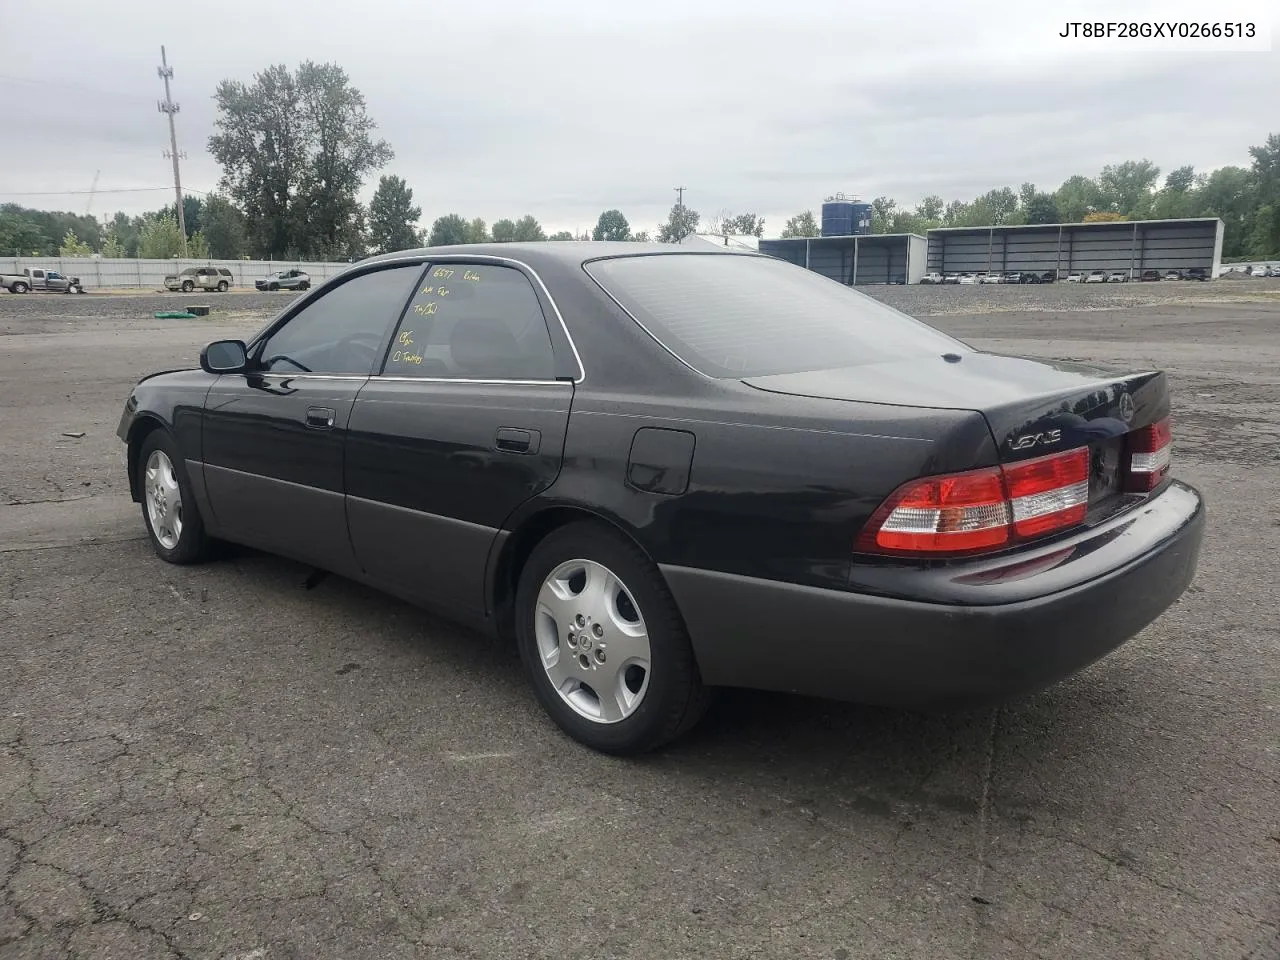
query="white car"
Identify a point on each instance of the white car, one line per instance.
(931, 278)
(1096, 277)
(1075, 277)
(1259, 272)
(967, 278)
(1118, 276)
(991, 278)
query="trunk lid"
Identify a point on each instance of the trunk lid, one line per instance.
(1033, 407)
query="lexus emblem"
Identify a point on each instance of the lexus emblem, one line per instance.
(1126, 407)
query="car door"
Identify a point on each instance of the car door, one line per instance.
(273, 437)
(465, 422)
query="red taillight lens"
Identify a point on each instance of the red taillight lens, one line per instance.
(983, 509)
(953, 514)
(1049, 493)
(1150, 454)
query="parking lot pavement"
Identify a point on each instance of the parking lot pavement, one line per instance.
(218, 762)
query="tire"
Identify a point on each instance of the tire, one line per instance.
(669, 697)
(20, 287)
(187, 286)
(304, 285)
(273, 286)
(185, 542)
(223, 286)
(73, 288)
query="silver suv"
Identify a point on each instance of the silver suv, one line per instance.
(206, 278)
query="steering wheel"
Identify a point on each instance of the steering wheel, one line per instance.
(280, 356)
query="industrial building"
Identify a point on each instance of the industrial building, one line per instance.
(1128, 246)
(847, 250)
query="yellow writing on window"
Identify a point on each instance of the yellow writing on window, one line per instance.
(424, 309)
(472, 276)
(405, 338)
(444, 273)
(406, 356)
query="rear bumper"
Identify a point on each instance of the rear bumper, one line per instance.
(853, 646)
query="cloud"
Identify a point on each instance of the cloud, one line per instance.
(565, 107)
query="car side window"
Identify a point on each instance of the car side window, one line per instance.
(473, 322)
(344, 330)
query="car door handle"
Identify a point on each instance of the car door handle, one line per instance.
(321, 418)
(516, 440)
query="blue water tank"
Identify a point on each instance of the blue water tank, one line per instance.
(846, 218)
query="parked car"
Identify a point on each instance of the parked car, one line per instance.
(931, 278)
(990, 278)
(1259, 270)
(654, 487)
(1097, 276)
(1274, 272)
(1075, 278)
(1173, 275)
(951, 278)
(46, 281)
(1196, 273)
(967, 278)
(1049, 276)
(284, 280)
(1015, 277)
(206, 278)
(1118, 276)
(1148, 276)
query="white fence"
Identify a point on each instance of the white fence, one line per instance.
(105, 273)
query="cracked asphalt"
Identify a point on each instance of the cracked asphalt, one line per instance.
(219, 762)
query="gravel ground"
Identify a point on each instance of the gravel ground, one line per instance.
(221, 763)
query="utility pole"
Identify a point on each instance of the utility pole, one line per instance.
(679, 196)
(168, 106)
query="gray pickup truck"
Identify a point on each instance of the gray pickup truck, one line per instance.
(34, 278)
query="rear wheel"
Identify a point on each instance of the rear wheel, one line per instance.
(604, 644)
(168, 502)
(303, 285)
(20, 287)
(273, 286)
(187, 286)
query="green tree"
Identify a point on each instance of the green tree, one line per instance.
(448, 230)
(192, 212)
(1266, 172)
(681, 222)
(504, 231)
(931, 209)
(112, 248)
(641, 237)
(295, 148)
(477, 232)
(801, 225)
(561, 235)
(160, 238)
(1041, 208)
(73, 246)
(1127, 187)
(612, 225)
(224, 229)
(882, 210)
(744, 225)
(1231, 194)
(393, 217)
(1000, 205)
(1181, 179)
(127, 230)
(1076, 197)
(1026, 193)
(198, 246)
(528, 230)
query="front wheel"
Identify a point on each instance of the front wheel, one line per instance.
(604, 644)
(223, 286)
(168, 502)
(273, 286)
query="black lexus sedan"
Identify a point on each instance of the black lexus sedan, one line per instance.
(662, 471)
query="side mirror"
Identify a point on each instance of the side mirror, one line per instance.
(224, 356)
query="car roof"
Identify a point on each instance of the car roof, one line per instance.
(556, 252)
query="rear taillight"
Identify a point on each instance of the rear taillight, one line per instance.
(1150, 454)
(983, 509)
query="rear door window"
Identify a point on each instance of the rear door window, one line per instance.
(732, 316)
(472, 322)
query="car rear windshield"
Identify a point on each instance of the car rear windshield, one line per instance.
(732, 316)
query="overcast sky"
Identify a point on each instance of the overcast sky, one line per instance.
(562, 109)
